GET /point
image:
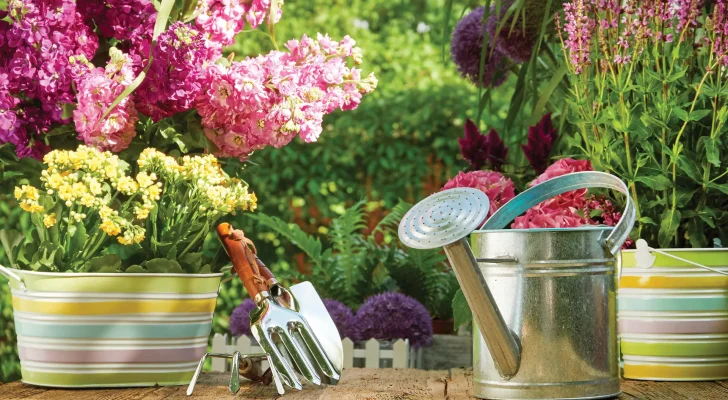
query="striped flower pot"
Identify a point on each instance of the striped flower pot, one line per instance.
(673, 317)
(102, 330)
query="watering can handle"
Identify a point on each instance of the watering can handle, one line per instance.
(10, 274)
(562, 184)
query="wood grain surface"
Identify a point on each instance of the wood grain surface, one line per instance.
(357, 383)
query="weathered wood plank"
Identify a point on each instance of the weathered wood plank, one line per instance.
(357, 383)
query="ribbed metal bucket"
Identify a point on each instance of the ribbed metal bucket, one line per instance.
(559, 299)
(103, 330)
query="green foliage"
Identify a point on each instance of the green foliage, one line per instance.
(357, 266)
(659, 122)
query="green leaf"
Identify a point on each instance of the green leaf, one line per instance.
(78, 240)
(546, 93)
(721, 187)
(107, 263)
(696, 233)
(67, 110)
(697, 115)
(11, 241)
(688, 166)
(191, 262)
(124, 251)
(711, 151)
(163, 266)
(136, 269)
(668, 228)
(681, 113)
(307, 243)
(460, 309)
(446, 26)
(647, 221)
(655, 182)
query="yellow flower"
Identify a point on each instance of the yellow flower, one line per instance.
(49, 220)
(127, 185)
(29, 206)
(110, 227)
(105, 212)
(145, 180)
(94, 186)
(18, 193)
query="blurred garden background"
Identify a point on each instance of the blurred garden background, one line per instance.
(397, 147)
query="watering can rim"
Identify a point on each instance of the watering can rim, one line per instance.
(537, 230)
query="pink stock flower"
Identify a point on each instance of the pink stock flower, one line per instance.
(498, 188)
(268, 100)
(579, 28)
(97, 89)
(221, 20)
(173, 83)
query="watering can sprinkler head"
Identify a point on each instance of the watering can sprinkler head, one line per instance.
(445, 219)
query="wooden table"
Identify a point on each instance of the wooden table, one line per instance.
(390, 384)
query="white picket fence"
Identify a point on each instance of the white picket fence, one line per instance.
(371, 355)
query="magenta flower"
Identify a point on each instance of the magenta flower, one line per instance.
(687, 12)
(498, 188)
(541, 138)
(172, 84)
(480, 150)
(221, 20)
(720, 30)
(466, 47)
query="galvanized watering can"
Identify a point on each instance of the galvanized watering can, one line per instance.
(544, 300)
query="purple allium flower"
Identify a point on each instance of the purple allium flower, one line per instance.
(390, 316)
(342, 315)
(541, 138)
(240, 318)
(515, 43)
(480, 150)
(579, 28)
(465, 49)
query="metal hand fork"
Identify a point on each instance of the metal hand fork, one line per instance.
(247, 365)
(273, 323)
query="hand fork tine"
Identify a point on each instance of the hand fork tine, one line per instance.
(299, 356)
(316, 350)
(281, 364)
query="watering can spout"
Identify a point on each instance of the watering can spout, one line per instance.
(503, 344)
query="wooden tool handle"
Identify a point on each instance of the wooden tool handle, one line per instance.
(268, 276)
(240, 256)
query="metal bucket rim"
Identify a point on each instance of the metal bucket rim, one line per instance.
(699, 249)
(537, 230)
(115, 274)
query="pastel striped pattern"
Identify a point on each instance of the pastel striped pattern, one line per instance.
(110, 330)
(673, 317)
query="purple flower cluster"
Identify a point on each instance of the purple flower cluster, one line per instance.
(268, 100)
(720, 30)
(481, 150)
(342, 316)
(173, 81)
(221, 20)
(467, 46)
(541, 138)
(579, 27)
(687, 12)
(390, 316)
(240, 318)
(516, 43)
(34, 64)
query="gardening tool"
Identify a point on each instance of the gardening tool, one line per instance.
(281, 331)
(248, 365)
(543, 299)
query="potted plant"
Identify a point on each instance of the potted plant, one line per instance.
(120, 221)
(649, 103)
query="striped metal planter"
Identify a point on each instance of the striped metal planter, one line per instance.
(673, 317)
(105, 330)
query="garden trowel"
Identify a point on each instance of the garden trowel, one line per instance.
(284, 319)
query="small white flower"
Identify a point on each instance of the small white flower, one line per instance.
(361, 24)
(423, 27)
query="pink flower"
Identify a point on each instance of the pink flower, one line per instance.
(563, 211)
(97, 89)
(221, 20)
(498, 188)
